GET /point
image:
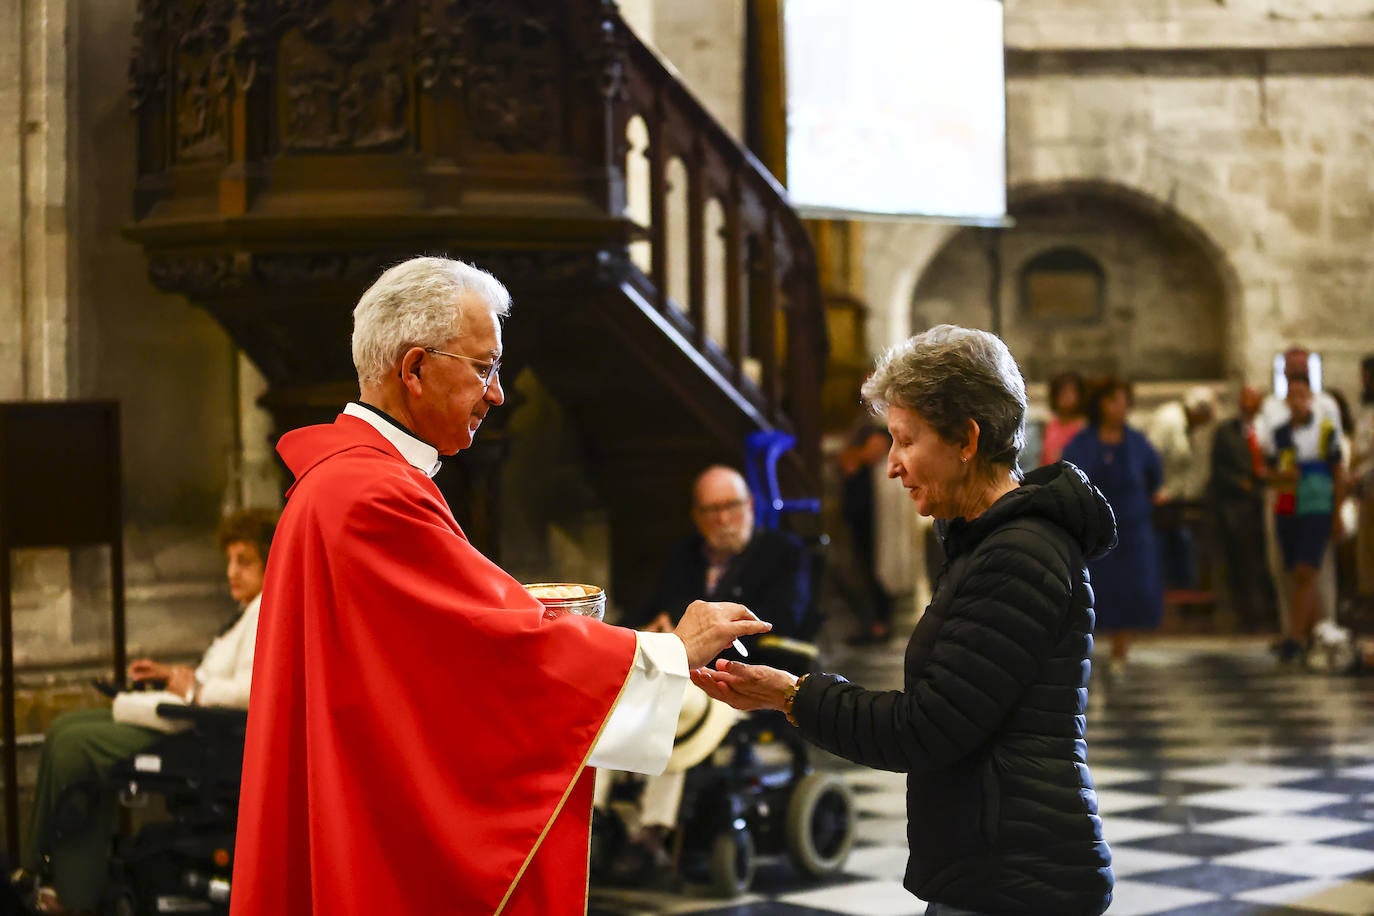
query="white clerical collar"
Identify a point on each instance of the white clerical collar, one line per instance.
(418, 454)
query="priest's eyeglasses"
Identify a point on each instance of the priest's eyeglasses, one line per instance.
(486, 371)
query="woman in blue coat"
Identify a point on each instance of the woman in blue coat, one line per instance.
(1126, 469)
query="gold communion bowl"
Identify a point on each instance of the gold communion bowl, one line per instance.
(570, 598)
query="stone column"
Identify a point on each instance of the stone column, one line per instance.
(34, 257)
(257, 477)
(34, 250)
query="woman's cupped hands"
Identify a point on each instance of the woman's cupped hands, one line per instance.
(744, 686)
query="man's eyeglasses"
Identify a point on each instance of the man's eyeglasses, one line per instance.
(486, 371)
(721, 508)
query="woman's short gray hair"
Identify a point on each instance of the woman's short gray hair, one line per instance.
(950, 375)
(416, 304)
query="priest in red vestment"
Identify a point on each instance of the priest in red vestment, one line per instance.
(420, 736)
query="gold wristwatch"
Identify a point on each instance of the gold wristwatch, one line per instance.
(789, 696)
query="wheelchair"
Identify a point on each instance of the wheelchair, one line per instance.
(182, 864)
(758, 796)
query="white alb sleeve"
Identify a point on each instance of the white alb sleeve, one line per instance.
(638, 737)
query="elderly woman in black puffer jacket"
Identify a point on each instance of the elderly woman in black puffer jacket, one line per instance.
(989, 726)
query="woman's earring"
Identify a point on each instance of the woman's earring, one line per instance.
(964, 458)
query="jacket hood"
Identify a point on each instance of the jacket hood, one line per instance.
(1059, 493)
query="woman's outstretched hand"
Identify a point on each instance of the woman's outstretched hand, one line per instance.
(744, 686)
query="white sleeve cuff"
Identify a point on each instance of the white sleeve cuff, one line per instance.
(639, 734)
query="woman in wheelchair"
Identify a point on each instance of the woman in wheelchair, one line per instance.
(66, 855)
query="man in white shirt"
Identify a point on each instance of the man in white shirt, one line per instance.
(83, 745)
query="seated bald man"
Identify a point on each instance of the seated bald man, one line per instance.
(728, 560)
(725, 560)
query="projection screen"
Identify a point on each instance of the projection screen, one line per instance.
(896, 107)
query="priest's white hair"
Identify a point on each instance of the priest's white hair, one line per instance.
(418, 303)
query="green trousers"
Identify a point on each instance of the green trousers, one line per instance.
(75, 836)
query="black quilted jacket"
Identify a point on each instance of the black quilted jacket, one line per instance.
(1001, 811)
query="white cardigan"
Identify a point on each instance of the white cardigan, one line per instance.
(226, 669)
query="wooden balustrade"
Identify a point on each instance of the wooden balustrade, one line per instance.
(774, 318)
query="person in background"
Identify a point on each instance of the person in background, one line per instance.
(1338, 574)
(1124, 466)
(1235, 491)
(1305, 461)
(988, 723)
(72, 847)
(1274, 413)
(866, 449)
(1181, 432)
(1067, 416)
(1362, 481)
(727, 559)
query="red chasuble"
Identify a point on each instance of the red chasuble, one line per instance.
(418, 732)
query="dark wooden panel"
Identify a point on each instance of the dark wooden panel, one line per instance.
(59, 473)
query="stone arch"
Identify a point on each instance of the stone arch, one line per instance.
(1168, 213)
(896, 257)
(1172, 311)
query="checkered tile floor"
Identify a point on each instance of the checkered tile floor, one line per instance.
(1227, 787)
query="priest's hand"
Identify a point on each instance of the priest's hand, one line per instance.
(745, 686)
(707, 627)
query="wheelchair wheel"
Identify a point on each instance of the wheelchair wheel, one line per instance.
(732, 863)
(820, 824)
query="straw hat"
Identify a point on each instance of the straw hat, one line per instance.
(702, 725)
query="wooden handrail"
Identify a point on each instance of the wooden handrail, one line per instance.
(774, 315)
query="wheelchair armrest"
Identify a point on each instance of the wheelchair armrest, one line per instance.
(213, 718)
(794, 655)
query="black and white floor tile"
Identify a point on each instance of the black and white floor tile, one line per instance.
(1227, 786)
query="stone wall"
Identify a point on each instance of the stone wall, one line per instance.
(1247, 125)
(1163, 310)
(704, 43)
(79, 319)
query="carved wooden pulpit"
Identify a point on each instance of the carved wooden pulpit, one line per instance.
(289, 150)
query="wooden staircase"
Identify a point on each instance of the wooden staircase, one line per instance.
(665, 291)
